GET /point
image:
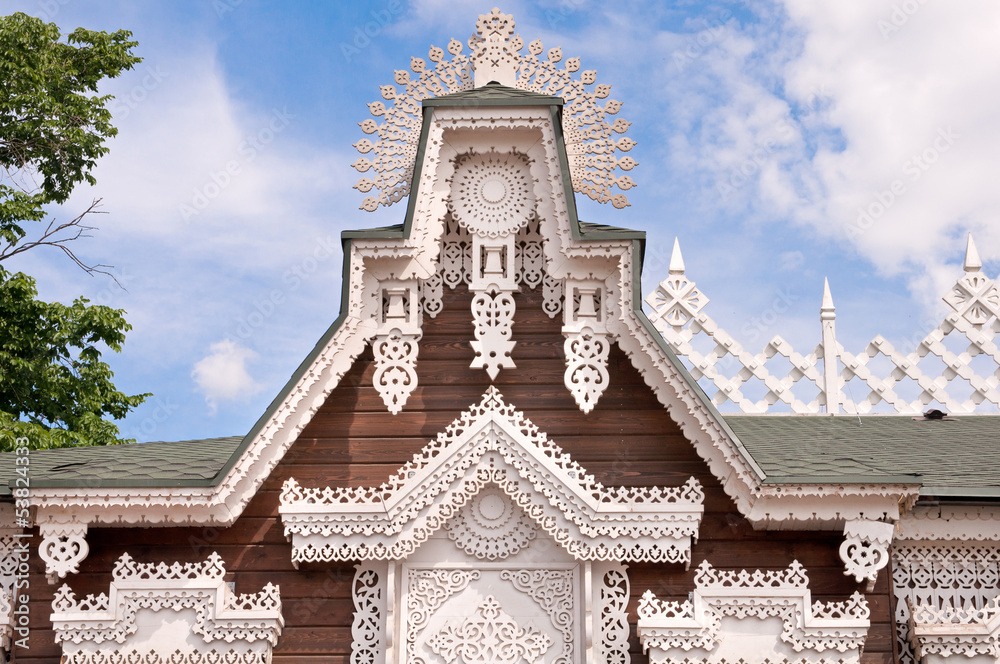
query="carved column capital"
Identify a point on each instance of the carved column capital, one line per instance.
(865, 550)
(63, 548)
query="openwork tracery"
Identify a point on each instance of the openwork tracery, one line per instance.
(220, 624)
(675, 631)
(492, 445)
(590, 134)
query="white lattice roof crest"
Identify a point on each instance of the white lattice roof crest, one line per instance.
(496, 57)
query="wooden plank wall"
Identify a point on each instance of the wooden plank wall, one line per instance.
(353, 441)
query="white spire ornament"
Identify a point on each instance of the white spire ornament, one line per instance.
(389, 157)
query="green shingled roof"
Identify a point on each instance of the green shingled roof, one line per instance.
(494, 94)
(183, 463)
(954, 456)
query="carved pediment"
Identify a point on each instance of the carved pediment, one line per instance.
(492, 447)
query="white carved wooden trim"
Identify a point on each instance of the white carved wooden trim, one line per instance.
(63, 548)
(956, 523)
(588, 131)
(368, 630)
(865, 550)
(492, 445)
(587, 342)
(677, 312)
(492, 196)
(6, 621)
(958, 634)
(786, 620)
(14, 556)
(395, 346)
(491, 526)
(207, 621)
(962, 575)
(489, 635)
(611, 597)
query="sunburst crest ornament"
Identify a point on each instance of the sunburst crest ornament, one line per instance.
(593, 138)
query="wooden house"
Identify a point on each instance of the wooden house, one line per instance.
(494, 455)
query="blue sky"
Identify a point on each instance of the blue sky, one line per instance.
(764, 130)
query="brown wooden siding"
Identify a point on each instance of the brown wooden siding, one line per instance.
(628, 439)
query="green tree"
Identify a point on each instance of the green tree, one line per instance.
(54, 388)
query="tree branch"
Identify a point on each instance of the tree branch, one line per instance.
(70, 231)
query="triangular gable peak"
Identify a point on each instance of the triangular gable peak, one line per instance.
(493, 171)
(492, 446)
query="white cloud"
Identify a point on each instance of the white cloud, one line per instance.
(912, 92)
(222, 375)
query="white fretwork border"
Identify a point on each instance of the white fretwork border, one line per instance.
(94, 628)
(676, 631)
(939, 634)
(492, 444)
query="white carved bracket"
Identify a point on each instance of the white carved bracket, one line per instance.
(587, 343)
(115, 627)
(694, 630)
(865, 550)
(396, 343)
(63, 548)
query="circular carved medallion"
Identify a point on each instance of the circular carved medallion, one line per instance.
(491, 194)
(491, 526)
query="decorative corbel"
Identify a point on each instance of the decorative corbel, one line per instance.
(396, 342)
(63, 548)
(493, 282)
(865, 550)
(587, 344)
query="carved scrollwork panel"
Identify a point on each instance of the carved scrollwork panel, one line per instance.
(493, 317)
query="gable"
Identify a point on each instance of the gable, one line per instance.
(492, 445)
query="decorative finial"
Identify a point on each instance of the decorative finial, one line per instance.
(592, 147)
(676, 260)
(972, 261)
(826, 310)
(493, 58)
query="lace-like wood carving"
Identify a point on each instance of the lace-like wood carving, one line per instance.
(672, 630)
(496, 56)
(962, 577)
(492, 445)
(213, 624)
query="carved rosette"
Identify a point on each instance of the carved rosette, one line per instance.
(491, 526)
(492, 194)
(63, 548)
(865, 550)
(492, 198)
(492, 444)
